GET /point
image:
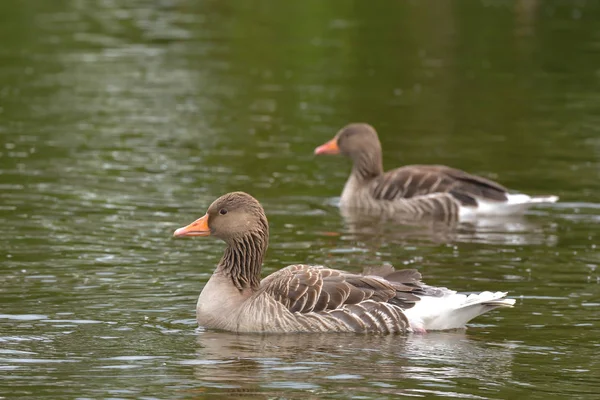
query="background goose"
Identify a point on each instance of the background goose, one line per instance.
(418, 190)
(304, 298)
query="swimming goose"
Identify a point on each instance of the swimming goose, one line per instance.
(305, 298)
(417, 190)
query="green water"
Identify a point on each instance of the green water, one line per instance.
(121, 121)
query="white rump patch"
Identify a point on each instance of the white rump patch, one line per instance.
(514, 205)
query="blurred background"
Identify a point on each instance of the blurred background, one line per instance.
(121, 121)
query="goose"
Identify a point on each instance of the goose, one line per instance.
(314, 298)
(417, 190)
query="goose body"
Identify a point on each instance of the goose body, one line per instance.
(417, 190)
(305, 298)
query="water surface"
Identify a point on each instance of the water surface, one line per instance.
(120, 123)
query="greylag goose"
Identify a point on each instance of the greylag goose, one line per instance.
(305, 298)
(417, 190)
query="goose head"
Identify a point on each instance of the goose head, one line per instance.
(231, 218)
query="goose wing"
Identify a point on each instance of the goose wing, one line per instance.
(419, 180)
(305, 288)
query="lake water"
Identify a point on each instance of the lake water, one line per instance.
(121, 121)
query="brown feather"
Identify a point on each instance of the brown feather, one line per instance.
(419, 180)
(307, 289)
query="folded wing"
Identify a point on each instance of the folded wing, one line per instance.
(420, 180)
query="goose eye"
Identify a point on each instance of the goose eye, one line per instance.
(222, 211)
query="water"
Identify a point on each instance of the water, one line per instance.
(120, 123)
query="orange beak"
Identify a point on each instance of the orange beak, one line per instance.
(197, 228)
(330, 147)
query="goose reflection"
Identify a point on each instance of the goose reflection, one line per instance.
(515, 230)
(254, 364)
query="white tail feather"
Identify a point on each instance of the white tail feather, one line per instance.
(453, 310)
(514, 205)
